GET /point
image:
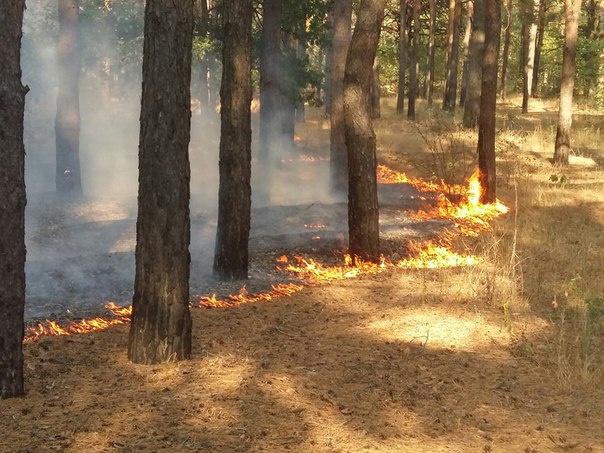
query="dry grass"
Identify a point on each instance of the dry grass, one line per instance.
(502, 356)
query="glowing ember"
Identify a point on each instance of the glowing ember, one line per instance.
(315, 226)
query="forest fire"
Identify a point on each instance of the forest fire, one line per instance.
(470, 217)
(279, 290)
(121, 315)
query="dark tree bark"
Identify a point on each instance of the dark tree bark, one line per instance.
(450, 94)
(363, 212)
(375, 89)
(488, 101)
(12, 201)
(430, 70)
(67, 122)
(202, 30)
(234, 195)
(572, 9)
(342, 22)
(270, 92)
(466, 51)
(402, 58)
(160, 330)
(591, 11)
(538, 47)
(529, 38)
(474, 70)
(413, 85)
(506, 48)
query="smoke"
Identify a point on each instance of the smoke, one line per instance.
(81, 252)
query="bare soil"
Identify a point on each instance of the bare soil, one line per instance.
(410, 361)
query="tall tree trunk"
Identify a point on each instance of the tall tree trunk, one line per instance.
(538, 47)
(12, 201)
(342, 22)
(466, 52)
(530, 29)
(402, 58)
(203, 20)
(234, 195)
(413, 85)
(289, 94)
(572, 9)
(270, 92)
(363, 210)
(472, 102)
(488, 101)
(327, 81)
(375, 89)
(430, 71)
(506, 48)
(592, 14)
(600, 35)
(161, 323)
(450, 94)
(67, 122)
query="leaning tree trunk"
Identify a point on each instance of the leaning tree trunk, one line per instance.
(342, 20)
(67, 122)
(530, 35)
(161, 323)
(488, 101)
(452, 55)
(363, 212)
(402, 58)
(12, 201)
(506, 48)
(270, 93)
(234, 194)
(538, 47)
(413, 85)
(474, 79)
(572, 9)
(466, 51)
(430, 71)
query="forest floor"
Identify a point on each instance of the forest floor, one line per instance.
(502, 356)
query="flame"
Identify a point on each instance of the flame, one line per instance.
(279, 290)
(470, 217)
(121, 315)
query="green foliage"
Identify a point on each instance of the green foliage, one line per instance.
(558, 179)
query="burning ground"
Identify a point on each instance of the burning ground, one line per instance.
(398, 358)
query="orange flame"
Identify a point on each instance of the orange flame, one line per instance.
(121, 316)
(470, 217)
(279, 290)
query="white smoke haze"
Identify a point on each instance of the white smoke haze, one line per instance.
(80, 253)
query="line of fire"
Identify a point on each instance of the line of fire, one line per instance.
(468, 215)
